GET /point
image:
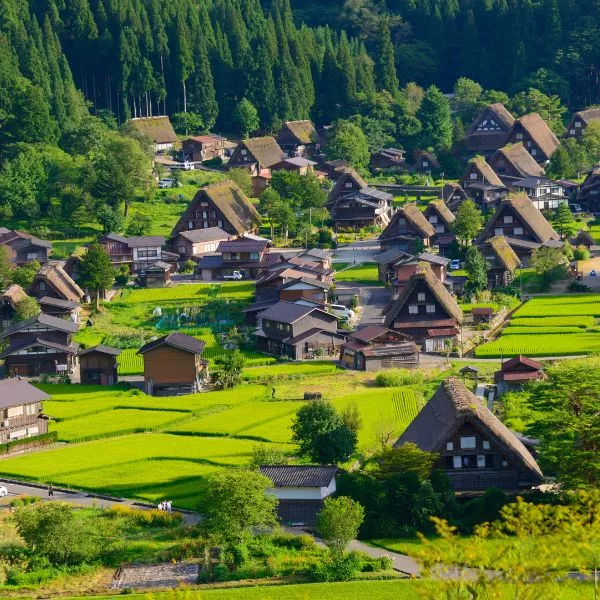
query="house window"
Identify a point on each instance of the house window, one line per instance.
(457, 462)
(205, 224)
(440, 229)
(508, 219)
(430, 308)
(486, 445)
(413, 309)
(518, 231)
(498, 231)
(244, 152)
(254, 256)
(401, 221)
(425, 163)
(473, 176)
(348, 184)
(181, 249)
(480, 461)
(450, 446)
(190, 225)
(519, 136)
(533, 152)
(31, 255)
(205, 214)
(220, 223)
(42, 285)
(572, 131)
(421, 297)
(577, 124)
(467, 442)
(505, 463)
(433, 219)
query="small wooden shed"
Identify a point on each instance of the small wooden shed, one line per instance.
(98, 365)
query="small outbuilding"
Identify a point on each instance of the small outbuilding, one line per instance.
(300, 489)
(173, 365)
(375, 347)
(482, 314)
(98, 365)
(516, 372)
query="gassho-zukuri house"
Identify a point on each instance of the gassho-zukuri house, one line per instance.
(476, 450)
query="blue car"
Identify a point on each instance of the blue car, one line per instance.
(454, 264)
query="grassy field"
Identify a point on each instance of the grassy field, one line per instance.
(122, 442)
(233, 290)
(549, 326)
(364, 273)
(357, 590)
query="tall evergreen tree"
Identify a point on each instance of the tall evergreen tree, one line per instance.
(385, 67)
(435, 117)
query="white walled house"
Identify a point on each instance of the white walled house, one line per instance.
(21, 410)
(300, 489)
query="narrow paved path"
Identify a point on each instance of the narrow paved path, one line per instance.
(401, 562)
(81, 498)
(373, 299)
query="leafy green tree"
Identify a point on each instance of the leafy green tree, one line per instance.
(96, 271)
(267, 454)
(187, 122)
(243, 179)
(477, 268)
(110, 218)
(55, 531)
(349, 143)
(385, 66)
(140, 225)
(468, 223)
(283, 214)
(230, 367)
(338, 522)
(234, 502)
(407, 458)
(5, 268)
(24, 275)
(321, 434)
(549, 107)
(548, 263)
(352, 418)
(467, 98)
(246, 118)
(591, 142)
(568, 408)
(562, 219)
(269, 199)
(27, 308)
(434, 114)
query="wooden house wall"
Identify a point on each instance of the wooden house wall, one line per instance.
(166, 364)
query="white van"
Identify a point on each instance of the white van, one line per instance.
(341, 311)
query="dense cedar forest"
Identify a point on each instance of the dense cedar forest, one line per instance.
(139, 57)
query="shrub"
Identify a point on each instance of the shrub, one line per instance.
(581, 253)
(577, 286)
(188, 266)
(343, 567)
(23, 501)
(144, 518)
(399, 377)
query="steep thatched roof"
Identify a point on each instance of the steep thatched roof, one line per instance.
(13, 295)
(486, 171)
(505, 255)
(414, 216)
(158, 129)
(265, 150)
(452, 406)
(438, 289)
(231, 201)
(539, 132)
(518, 156)
(304, 132)
(54, 275)
(589, 115)
(443, 211)
(529, 214)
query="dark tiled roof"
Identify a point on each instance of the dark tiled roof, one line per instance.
(141, 241)
(299, 476)
(35, 341)
(242, 245)
(435, 259)
(181, 341)
(289, 312)
(368, 333)
(210, 261)
(453, 405)
(317, 253)
(521, 360)
(102, 349)
(47, 300)
(65, 325)
(389, 256)
(307, 281)
(14, 392)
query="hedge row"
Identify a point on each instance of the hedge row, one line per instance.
(38, 440)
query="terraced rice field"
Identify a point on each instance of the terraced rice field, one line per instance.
(235, 290)
(120, 441)
(549, 326)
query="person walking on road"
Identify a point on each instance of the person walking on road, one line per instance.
(50, 490)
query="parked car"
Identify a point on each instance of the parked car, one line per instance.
(454, 264)
(166, 183)
(575, 208)
(341, 311)
(235, 275)
(3, 491)
(185, 166)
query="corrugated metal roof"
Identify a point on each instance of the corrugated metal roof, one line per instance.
(17, 391)
(299, 475)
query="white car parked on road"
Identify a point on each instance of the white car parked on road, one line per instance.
(341, 311)
(3, 491)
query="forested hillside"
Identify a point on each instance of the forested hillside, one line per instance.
(500, 43)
